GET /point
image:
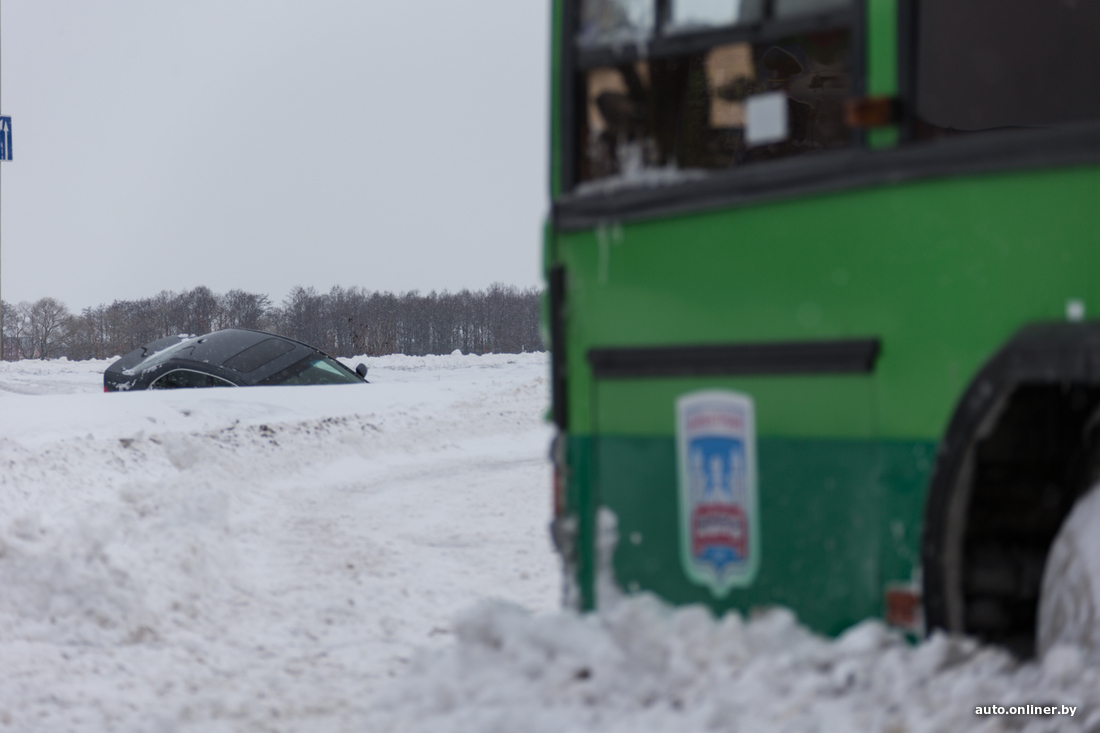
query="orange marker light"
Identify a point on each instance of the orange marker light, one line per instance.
(866, 112)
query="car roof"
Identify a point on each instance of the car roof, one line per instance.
(220, 346)
(221, 353)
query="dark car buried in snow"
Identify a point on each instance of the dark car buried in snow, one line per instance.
(235, 357)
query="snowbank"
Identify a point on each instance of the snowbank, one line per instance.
(261, 558)
(375, 558)
(643, 666)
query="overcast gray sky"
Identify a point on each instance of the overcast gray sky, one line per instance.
(263, 144)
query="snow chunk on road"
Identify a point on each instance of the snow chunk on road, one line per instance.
(644, 666)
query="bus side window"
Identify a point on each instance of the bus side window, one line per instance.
(696, 14)
(615, 21)
(678, 118)
(994, 64)
(790, 8)
(813, 72)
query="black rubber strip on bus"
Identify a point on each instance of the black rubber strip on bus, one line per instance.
(559, 403)
(844, 356)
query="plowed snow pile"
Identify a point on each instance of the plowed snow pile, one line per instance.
(375, 558)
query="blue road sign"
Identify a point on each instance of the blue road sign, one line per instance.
(5, 138)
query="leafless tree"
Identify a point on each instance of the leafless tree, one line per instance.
(343, 322)
(10, 324)
(244, 310)
(45, 324)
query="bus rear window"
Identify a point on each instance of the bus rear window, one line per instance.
(995, 64)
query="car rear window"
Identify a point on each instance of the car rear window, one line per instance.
(257, 355)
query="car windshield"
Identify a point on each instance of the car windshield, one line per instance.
(315, 370)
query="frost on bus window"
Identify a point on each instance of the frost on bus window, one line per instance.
(615, 21)
(698, 14)
(675, 118)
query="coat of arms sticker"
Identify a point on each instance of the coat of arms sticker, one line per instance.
(716, 453)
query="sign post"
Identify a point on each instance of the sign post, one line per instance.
(5, 138)
(5, 154)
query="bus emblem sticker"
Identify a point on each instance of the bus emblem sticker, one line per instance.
(716, 452)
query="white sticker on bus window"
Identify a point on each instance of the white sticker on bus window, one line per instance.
(716, 456)
(766, 119)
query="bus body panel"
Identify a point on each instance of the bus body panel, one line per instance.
(941, 271)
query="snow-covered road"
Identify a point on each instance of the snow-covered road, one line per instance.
(375, 558)
(259, 558)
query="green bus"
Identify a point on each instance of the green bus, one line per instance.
(818, 276)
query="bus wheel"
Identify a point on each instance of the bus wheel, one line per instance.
(1069, 600)
(1022, 447)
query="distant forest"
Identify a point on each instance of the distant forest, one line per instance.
(341, 322)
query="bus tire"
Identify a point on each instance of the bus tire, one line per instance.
(1069, 599)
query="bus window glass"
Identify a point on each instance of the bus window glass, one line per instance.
(698, 14)
(615, 21)
(789, 8)
(995, 64)
(678, 118)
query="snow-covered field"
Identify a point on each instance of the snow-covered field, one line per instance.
(375, 558)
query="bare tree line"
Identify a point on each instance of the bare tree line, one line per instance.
(341, 322)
